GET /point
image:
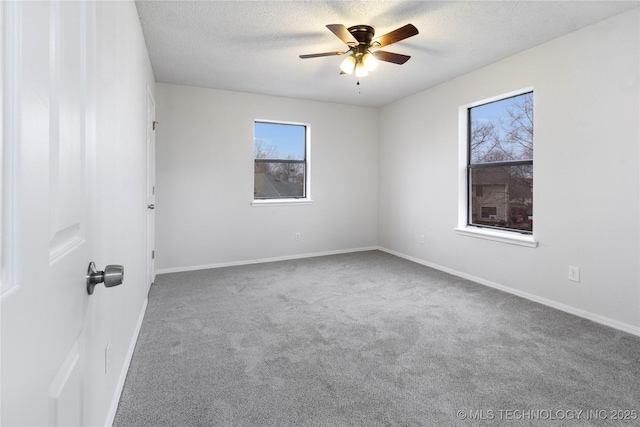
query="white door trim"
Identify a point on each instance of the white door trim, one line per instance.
(151, 169)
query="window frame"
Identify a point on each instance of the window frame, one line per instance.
(465, 227)
(287, 201)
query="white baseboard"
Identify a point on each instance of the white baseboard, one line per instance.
(263, 260)
(125, 369)
(550, 303)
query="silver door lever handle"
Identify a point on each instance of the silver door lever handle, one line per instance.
(111, 276)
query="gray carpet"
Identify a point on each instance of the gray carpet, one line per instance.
(368, 339)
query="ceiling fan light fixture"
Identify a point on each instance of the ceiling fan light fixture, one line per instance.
(361, 70)
(369, 61)
(348, 64)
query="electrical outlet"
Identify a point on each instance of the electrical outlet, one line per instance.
(574, 273)
(422, 238)
(297, 236)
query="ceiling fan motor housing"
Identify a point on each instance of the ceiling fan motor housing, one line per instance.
(362, 33)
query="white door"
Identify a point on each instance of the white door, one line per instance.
(47, 230)
(151, 188)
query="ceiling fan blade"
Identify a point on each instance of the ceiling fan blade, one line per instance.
(395, 36)
(343, 34)
(395, 58)
(317, 55)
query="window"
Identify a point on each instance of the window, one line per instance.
(489, 212)
(499, 164)
(281, 168)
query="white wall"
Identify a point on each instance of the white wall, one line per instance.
(586, 182)
(204, 185)
(123, 76)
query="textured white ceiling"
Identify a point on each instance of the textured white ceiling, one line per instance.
(253, 46)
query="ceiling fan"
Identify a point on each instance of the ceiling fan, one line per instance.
(363, 49)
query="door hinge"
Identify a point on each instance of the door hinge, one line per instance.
(153, 190)
(153, 254)
(154, 125)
